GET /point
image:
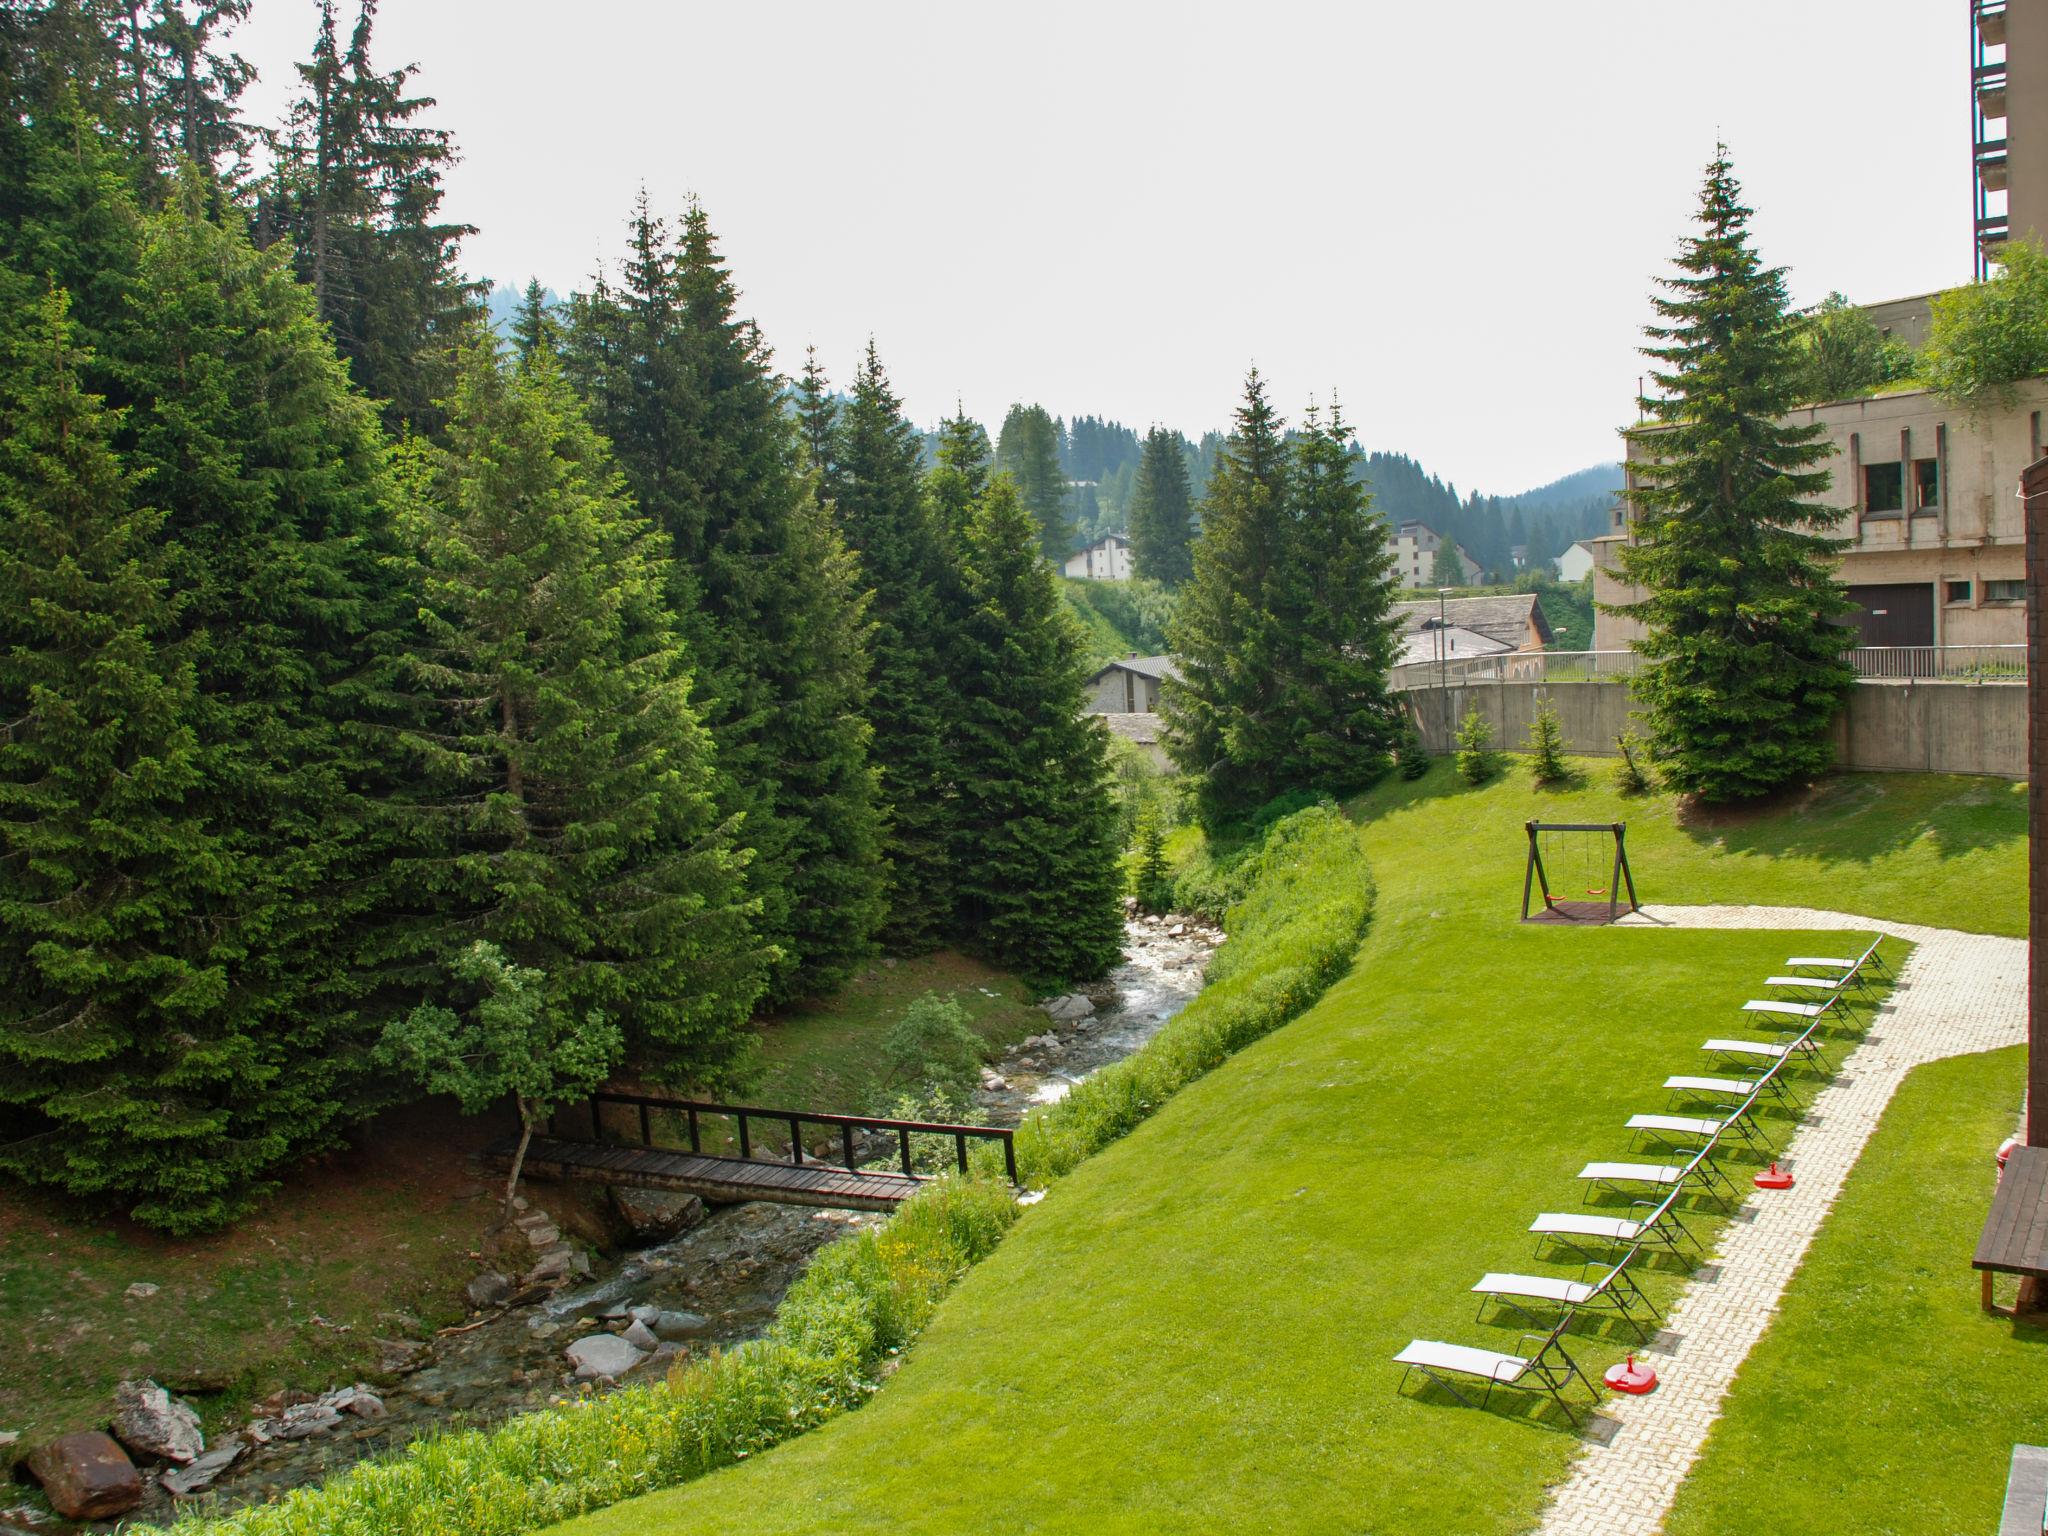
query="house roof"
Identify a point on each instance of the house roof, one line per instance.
(1107, 538)
(1145, 666)
(1505, 618)
(1141, 728)
(1422, 645)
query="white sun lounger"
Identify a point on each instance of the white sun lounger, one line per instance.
(1547, 1369)
(1699, 1171)
(1700, 1128)
(1659, 1225)
(1614, 1292)
(1870, 959)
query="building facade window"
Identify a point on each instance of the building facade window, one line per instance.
(1958, 591)
(1926, 484)
(1884, 488)
(2005, 591)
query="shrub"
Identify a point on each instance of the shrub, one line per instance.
(1984, 338)
(1632, 773)
(932, 1045)
(1409, 751)
(1136, 785)
(1475, 748)
(1844, 354)
(1546, 746)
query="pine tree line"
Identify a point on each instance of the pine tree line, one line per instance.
(355, 666)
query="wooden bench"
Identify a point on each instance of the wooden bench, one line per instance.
(2015, 1240)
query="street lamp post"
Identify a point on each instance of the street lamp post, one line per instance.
(1443, 659)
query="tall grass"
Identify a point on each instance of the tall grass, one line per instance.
(1302, 900)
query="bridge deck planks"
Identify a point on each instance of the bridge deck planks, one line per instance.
(723, 1179)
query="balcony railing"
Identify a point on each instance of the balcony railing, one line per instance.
(1893, 663)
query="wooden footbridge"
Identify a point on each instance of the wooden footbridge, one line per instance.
(631, 1138)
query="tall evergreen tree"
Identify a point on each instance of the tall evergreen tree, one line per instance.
(1028, 451)
(107, 867)
(960, 477)
(584, 838)
(906, 565)
(1034, 831)
(764, 590)
(358, 186)
(1743, 673)
(1224, 724)
(1160, 506)
(1338, 595)
(1446, 569)
(535, 329)
(817, 413)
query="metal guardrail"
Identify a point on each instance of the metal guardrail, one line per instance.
(1901, 663)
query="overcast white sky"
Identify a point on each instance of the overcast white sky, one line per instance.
(1447, 214)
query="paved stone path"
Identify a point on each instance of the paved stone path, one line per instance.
(1958, 993)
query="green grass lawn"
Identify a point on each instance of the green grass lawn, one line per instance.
(1193, 1331)
(1884, 1401)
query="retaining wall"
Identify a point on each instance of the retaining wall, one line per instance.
(1900, 727)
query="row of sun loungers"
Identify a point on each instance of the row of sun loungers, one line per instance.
(1707, 1114)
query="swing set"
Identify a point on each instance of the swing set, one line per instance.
(1563, 905)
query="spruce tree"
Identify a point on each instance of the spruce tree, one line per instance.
(1336, 597)
(582, 833)
(1224, 721)
(817, 413)
(1447, 569)
(906, 564)
(534, 326)
(764, 591)
(108, 871)
(1160, 513)
(1743, 670)
(960, 477)
(1028, 450)
(1034, 832)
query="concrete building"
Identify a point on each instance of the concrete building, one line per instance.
(1924, 495)
(2009, 121)
(1415, 547)
(1576, 563)
(1107, 559)
(1128, 687)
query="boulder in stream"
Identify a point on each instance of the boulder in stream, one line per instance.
(603, 1354)
(655, 1215)
(86, 1476)
(183, 1482)
(487, 1290)
(677, 1325)
(148, 1420)
(640, 1336)
(1064, 1010)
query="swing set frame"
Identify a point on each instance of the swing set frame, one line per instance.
(1557, 909)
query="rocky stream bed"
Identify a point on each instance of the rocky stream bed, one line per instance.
(556, 1330)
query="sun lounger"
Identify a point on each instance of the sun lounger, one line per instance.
(1582, 1231)
(1695, 1131)
(1546, 1369)
(1732, 1091)
(1615, 1292)
(1789, 1043)
(1698, 1172)
(1855, 968)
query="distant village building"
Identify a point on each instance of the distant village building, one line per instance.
(1576, 563)
(1107, 559)
(1415, 547)
(1512, 621)
(1126, 694)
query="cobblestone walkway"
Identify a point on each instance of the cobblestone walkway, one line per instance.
(1958, 993)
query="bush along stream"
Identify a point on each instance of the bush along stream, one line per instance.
(743, 1374)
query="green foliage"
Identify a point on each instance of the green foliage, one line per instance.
(1547, 763)
(1845, 354)
(1162, 511)
(1283, 634)
(933, 1047)
(1743, 673)
(1151, 875)
(1475, 755)
(1409, 751)
(862, 1300)
(1986, 337)
(1119, 618)
(1306, 898)
(1031, 823)
(960, 477)
(906, 564)
(1632, 773)
(1028, 451)
(574, 780)
(1446, 568)
(1137, 785)
(534, 326)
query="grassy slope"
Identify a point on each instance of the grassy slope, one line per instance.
(1193, 1331)
(1884, 1400)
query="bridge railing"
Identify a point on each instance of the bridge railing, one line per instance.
(1930, 663)
(747, 1116)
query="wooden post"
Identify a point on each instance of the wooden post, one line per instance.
(2034, 490)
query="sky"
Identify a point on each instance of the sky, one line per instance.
(1446, 217)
